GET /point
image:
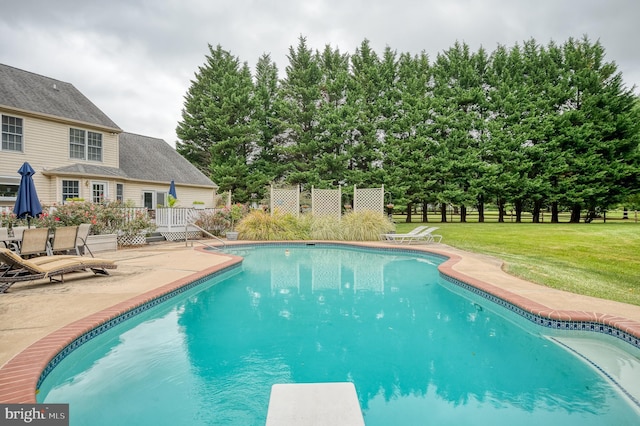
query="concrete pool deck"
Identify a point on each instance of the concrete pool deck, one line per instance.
(38, 319)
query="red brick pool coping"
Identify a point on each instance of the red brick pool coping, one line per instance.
(20, 375)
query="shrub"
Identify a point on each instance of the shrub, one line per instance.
(365, 225)
(354, 226)
(213, 221)
(105, 218)
(9, 219)
(262, 226)
(326, 228)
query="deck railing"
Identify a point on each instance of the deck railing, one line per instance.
(176, 218)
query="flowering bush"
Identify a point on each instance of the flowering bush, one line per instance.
(221, 220)
(213, 221)
(9, 219)
(105, 218)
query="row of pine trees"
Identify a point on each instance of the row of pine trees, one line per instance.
(530, 127)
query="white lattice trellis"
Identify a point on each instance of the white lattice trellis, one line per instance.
(326, 202)
(368, 199)
(285, 201)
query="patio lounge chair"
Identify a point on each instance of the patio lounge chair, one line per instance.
(14, 269)
(393, 237)
(424, 236)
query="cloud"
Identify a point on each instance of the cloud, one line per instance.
(135, 59)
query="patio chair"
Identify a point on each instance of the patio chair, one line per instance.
(426, 236)
(81, 240)
(15, 269)
(4, 238)
(17, 232)
(35, 242)
(396, 237)
(64, 240)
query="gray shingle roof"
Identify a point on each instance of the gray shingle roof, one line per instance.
(36, 93)
(89, 170)
(146, 158)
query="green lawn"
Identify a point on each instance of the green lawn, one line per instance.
(597, 259)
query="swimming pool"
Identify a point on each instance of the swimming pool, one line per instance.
(415, 347)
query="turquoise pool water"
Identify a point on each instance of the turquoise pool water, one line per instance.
(417, 352)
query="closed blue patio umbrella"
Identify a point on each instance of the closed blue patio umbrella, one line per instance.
(172, 189)
(27, 203)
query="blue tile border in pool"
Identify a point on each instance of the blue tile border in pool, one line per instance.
(403, 250)
(84, 338)
(589, 326)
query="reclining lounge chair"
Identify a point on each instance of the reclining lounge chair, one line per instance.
(14, 269)
(394, 237)
(424, 236)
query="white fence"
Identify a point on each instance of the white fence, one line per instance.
(176, 218)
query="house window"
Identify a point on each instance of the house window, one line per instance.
(147, 199)
(9, 188)
(161, 198)
(120, 192)
(98, 192)
(85, 145)
(70, 189)
(11, 133)
(94, 146)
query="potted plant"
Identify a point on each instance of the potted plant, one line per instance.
(236, 212)
(198, 205)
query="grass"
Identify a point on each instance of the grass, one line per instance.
(597, 259)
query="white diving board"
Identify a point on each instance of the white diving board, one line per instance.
(306, 404)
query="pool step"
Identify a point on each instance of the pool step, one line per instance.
(305, 404)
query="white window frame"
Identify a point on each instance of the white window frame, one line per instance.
(64, 198)
(88, 145)
(9, 181)
(158, 198)
(96, 191)
(120, 192)
(152, 194)
(6, 130)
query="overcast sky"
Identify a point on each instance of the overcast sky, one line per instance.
(135, 59)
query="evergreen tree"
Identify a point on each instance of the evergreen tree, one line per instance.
(268, 165)
(217, 133)
(598, 134)
(408, 142)
(332, 160)
(364, 117)
(459, 125)
(298, 115)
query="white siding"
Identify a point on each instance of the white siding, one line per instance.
(46, 147)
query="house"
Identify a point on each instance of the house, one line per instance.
(79, 152)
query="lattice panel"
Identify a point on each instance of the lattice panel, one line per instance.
(368, 199)
(285, 201)
(326, 202)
